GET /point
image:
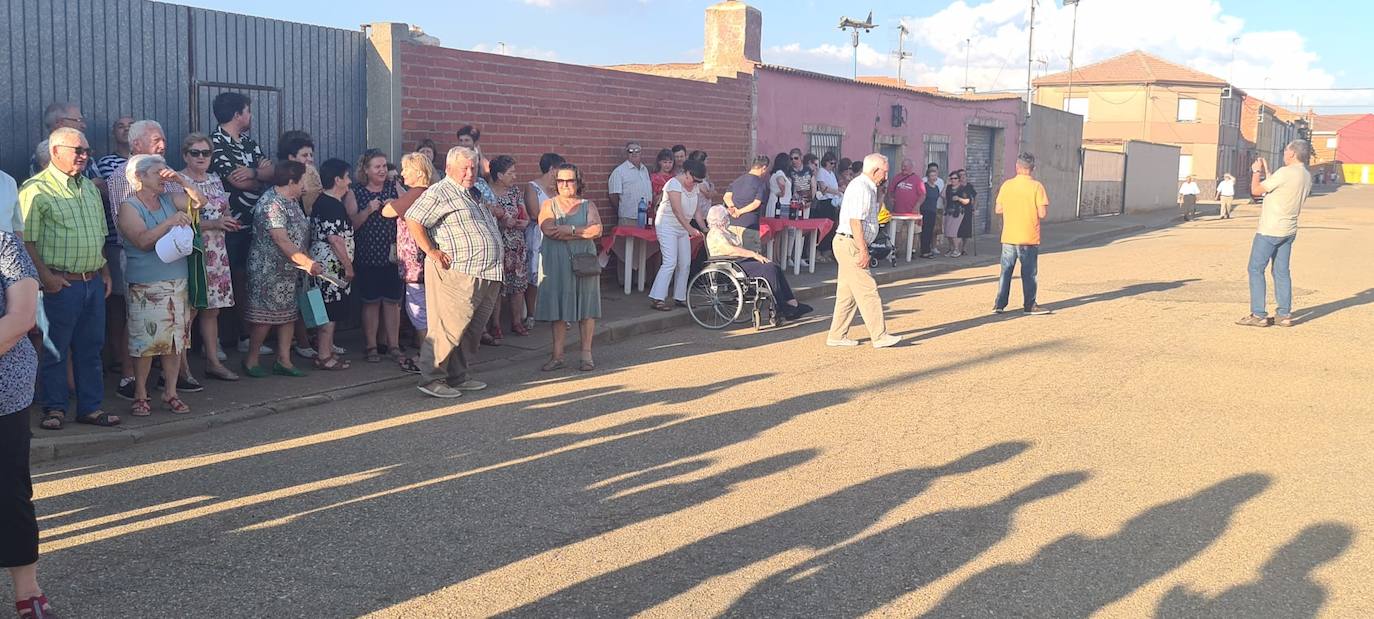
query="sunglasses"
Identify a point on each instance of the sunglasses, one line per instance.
(796, 159)
(696, 180)
(632, 150)
(195, 152)
(80, 150)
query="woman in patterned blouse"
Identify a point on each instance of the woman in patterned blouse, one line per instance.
(378, 285)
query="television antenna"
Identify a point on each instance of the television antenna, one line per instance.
(855, 26)
(901, 52)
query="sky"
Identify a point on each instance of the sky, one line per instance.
(1286, 53)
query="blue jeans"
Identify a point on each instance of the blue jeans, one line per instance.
(1278, 249)
(1029, 255)
(76, 326)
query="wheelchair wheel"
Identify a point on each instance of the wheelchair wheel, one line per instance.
(715, 299)
(872, 262)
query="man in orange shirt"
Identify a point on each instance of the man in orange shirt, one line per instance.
(1022, 203)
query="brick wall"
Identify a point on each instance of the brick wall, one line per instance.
(528, 107)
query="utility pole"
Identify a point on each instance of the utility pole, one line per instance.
(1073, 38)
(902, 54)
(1030, 57)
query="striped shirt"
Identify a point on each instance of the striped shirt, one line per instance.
(462, 228)
(64, 218)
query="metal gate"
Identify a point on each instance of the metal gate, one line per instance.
(978, 166)
(1103, 185)
(166, 62)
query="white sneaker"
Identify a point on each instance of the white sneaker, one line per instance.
(886, 341)
(262, 350)
(306, 352)
(841, 342)
(340, 350)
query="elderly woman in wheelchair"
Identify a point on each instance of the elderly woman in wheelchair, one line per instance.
(725, 246)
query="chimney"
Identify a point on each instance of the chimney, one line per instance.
(734, 38)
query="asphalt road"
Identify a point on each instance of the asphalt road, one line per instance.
(1134, 454)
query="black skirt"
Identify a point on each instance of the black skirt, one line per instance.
(966, 225)
(18, 526)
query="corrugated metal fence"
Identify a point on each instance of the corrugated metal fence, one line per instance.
(167, 62)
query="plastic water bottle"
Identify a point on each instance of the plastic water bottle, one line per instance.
(643, 213)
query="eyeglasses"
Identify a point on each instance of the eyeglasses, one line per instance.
(81, 151)
(73, 119)
(561, 181)
(195, 152)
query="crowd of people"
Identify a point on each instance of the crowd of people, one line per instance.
(124, 256)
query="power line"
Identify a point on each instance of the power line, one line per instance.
(1308, 89)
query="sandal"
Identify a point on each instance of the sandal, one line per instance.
(372, 356)
(488, 340)
(519, 329)
(34, 608)
(221, 373)
(175, 405)
(99, 418)
(140, 408)
(553, 364)
(587, 365)
(281, 370)
(408, 365)
(331, 363)
(53, 420)
(660, 306)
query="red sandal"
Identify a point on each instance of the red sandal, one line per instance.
(175, 405)
(34, 608)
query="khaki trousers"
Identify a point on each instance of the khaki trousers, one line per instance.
(855, 290)
(1226, 202)
(459, 306)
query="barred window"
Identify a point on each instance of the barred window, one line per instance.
(821, 143)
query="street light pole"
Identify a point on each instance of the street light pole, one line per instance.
(1030, 57)
(1073, 38)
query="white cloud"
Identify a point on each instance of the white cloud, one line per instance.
(1196, 33)
(830, 58)
(516, 50)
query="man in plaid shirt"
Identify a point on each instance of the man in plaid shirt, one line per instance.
(64, 225)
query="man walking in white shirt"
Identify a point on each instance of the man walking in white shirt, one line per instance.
(855, 288)
(1187, 198)
(1226, 193)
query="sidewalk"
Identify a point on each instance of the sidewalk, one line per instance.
(623, 318)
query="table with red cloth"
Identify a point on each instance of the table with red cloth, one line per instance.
(792, 236)
(637, 250)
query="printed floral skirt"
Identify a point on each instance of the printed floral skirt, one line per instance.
(157, 318)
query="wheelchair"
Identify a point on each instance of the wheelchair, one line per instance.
(722, 294)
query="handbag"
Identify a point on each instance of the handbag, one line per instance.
(311, 303)
(584, 263)
(197, 280)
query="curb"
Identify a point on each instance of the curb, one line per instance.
(44, 450)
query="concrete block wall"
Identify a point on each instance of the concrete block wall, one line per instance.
(528, 107)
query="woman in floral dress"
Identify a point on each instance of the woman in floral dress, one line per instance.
(514, 220)
(215, 220)
(275, 259)
(331, 244)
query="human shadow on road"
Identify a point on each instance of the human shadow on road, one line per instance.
(1132, 290)
(1285, 587)
(823, 522)
(1075, 576)
(862, 576)
(1316, 312)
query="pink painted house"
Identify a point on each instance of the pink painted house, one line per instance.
(818, 112)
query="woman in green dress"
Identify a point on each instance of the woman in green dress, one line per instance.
(569, 223)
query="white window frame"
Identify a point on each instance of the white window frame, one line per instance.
(1331, 142)
(1185, 166)
(1077, 105)
(1191, 119)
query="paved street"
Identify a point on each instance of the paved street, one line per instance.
(1134, 454)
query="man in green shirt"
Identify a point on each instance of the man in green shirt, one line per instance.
(64, 225)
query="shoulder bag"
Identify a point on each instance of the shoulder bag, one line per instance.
(584, 263)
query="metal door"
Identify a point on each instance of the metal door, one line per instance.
(1102, 191)
(266, 109)
(978, 165)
